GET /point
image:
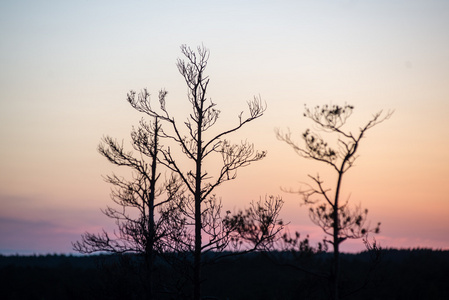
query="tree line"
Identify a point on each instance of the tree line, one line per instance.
(179, 219)
(402, 274)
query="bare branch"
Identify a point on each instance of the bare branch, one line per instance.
(340, 222)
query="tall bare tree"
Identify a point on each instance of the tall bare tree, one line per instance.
(197, 143)
(137, 200)
(326, 209)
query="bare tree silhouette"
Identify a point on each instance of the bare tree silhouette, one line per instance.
(336, 218)
(201, 207)
(139, 231)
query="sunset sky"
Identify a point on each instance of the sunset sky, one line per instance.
(66, 66)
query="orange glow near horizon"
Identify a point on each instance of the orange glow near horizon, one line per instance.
(66, 69)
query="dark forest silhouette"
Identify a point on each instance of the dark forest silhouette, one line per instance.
(402, 274)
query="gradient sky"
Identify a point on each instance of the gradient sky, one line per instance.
(66, 66)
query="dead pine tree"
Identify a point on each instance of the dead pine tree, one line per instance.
(137, 200)
(197, 142)
(326, 209)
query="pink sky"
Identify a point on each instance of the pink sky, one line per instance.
(65, 69)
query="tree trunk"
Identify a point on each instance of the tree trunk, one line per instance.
(198, 221)
(149, 260)
(197, 254)
(335, 270)
(336, 239)
(149, 255)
